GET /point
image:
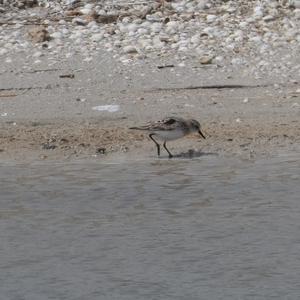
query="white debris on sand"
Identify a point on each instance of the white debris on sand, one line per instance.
(260, 36)
(109, 108)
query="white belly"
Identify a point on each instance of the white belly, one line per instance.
(166, 135)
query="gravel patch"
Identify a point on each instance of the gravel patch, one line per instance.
(261, 37)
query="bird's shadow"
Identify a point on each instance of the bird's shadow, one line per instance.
(193, 154)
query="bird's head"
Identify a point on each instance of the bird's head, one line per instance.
(197, 127)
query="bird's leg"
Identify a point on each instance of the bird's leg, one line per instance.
(165, 146)
(156, 143)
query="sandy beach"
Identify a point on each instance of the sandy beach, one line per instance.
(44, 116)
(48, 103)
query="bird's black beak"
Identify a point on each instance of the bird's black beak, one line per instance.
(201, 134)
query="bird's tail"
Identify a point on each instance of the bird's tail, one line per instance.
(138, 128)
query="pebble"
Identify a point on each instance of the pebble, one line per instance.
(79, 21)
(101, 150)
(57, 35)
(86, 10)
(258, 12)
(249, 33)
(295, 3)
(205, 60)
(129, 49)
(97, 37)
(211, 18)
(3, 51)
(37, 54)
(48, 146)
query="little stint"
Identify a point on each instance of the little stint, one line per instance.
(170, 129)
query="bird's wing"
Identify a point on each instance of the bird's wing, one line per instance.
(165, 124)
(169, 121)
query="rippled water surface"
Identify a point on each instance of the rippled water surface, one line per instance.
(206, 228)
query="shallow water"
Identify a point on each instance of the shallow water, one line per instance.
(206, 228)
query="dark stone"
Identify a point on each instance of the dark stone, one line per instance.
(47, 146)
(101, 150)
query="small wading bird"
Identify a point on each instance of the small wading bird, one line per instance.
(169, 129)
